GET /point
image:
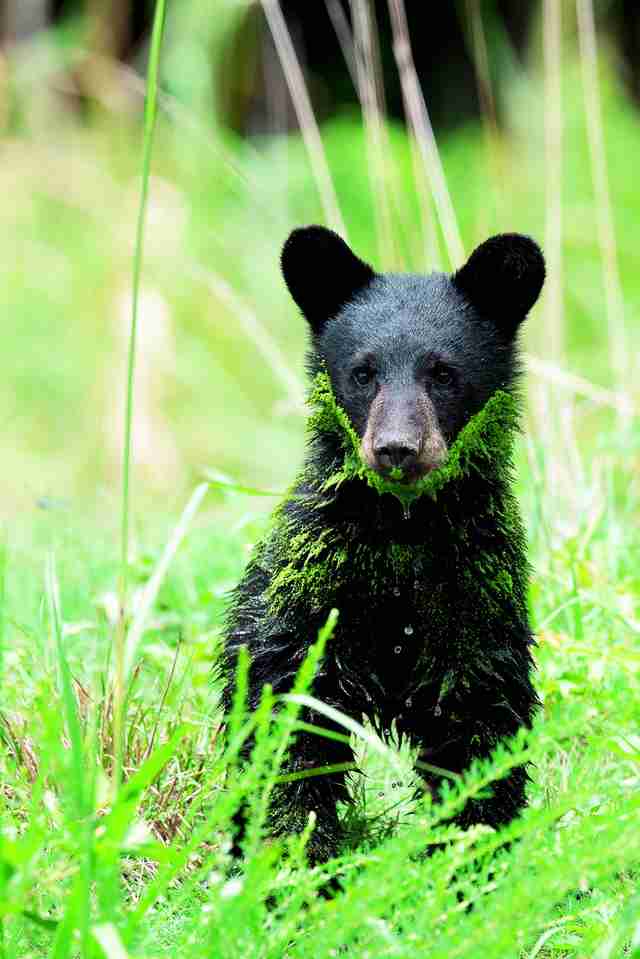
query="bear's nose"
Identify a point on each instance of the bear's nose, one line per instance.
(396, 456)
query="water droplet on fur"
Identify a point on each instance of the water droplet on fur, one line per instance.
(408, 630)
(397, 649)
(438, 710)
(396, 590)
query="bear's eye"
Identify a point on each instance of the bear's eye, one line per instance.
(362, 375)
(442, 375)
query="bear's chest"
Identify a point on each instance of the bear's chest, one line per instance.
(392, 620)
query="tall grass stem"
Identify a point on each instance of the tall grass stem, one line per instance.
(477, 42)
(256, 331)
(420, 124)
(343, 33)
(552, 33)
(152, 587)
(151, 110)
(549, 372)
(597, 153)
(371, 94)
(304, 112)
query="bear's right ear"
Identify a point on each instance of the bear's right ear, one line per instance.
(322, 273)
(503, 278)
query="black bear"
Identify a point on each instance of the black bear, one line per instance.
(403, 519)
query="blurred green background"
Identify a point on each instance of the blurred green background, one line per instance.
(536, 117)
(220, 361)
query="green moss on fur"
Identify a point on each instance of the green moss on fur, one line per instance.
(488, 433)
(311, 565)
(312, 562)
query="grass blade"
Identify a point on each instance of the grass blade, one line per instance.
(151, 110)
(554, 332)
(108, 938)
(373, 741)
(418, 117)
(606, 230)
(151, 589)
(304, 111)
(370, 93)
(68, 697)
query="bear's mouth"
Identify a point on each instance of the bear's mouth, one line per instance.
(400, 465)
(406, 476)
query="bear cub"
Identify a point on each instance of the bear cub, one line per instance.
(403, 519)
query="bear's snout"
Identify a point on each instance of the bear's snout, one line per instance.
(403, 433)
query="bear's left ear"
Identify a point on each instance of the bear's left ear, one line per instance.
(322, 273)
(502, 278)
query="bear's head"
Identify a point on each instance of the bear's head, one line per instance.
(412, 358)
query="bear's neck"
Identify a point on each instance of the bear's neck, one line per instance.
(372, 515)
(334, 540)
(344, 488)
(344, 528)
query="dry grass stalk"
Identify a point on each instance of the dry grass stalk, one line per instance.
(606, 231)
(431, 259)
(163, 699)
(150, 592)
(481, 66)
(420, 124)
(488, 112)
(21, 20)
(553, 374)
(370, 94)
(554, 326)
(255, 330)
(546, 400)
(343, 33)
(304, 112)
(157, 456)
(396, 200)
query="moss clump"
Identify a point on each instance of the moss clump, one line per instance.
(310, 562)
(487, 434)
(312, 567)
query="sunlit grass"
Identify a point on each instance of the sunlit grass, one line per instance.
(167, 835)
(145, 870)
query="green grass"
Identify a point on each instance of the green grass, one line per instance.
(154, 864)
(144, 871)
(120, 687)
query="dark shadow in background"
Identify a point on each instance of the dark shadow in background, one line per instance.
(252, 81)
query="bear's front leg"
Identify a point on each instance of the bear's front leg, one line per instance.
(468, 724)
(312, 780)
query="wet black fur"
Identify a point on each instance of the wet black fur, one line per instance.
(454, 698)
